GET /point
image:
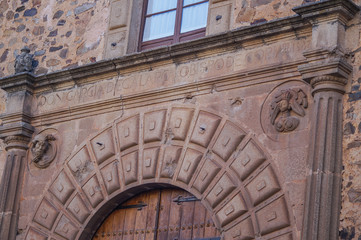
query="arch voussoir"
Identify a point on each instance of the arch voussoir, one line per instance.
(198, 150)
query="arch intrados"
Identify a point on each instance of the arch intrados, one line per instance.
(111, 205)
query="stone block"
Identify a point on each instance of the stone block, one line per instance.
(119, 14)
(219, 19)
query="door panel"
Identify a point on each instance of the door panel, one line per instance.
(158, 215)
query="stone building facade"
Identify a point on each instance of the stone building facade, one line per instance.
(259, 119)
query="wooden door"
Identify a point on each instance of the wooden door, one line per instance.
(165, 214)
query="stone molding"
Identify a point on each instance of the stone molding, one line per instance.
(343, 10)
(164, 55)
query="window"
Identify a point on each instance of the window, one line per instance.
(169, 21)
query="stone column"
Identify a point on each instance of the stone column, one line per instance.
(323, 196)
(16, 133)
(327, 70)
(10, 188)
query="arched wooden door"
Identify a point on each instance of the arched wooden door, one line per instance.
(165, 214)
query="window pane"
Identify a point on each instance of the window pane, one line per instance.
(158, 26)
(187, 2)
(194, 17)
(155, 6)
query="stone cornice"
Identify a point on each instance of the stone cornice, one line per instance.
(16, 129)
(170, 54)
(345, 10)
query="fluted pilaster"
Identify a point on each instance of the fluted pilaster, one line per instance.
(10, 187)
(323, 197)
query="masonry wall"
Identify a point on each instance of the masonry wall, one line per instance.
(65, 34)
(350, 220)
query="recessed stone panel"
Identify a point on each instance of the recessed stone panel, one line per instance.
(228, 140)
(150, 160)
(206, 175)
(110, 177)
(153, 126)
(128, 132)
(66, 228)
(242, 231)
(220, 190)
(46, 214)
(118, 14)
(264, 185)
(232, 210)
(219, 19)
(115, 44)
(189, 165)
(248, 160)
(179, 122)
(78, 209)
(103, 146)
(62, 187)
(170, 161)
(93, 191)
(80, 165)
(273, 217)
(204, 128)
(130, 167)
(35, 235)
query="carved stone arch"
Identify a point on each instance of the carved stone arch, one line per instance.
(209, 155)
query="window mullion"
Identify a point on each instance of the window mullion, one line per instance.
(178, 21)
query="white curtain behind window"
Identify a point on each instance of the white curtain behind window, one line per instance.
(194, 17)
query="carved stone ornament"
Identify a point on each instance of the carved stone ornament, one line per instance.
(43, 150)
(24, 61)
(282, 106)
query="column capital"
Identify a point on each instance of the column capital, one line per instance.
(16, 135)
(328, 83)
(16, 142)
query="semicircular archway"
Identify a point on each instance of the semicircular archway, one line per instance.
(211, 156)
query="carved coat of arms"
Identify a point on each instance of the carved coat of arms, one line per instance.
(282, 106)
(43, 151)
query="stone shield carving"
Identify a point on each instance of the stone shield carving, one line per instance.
(283, 104)
(43, 150)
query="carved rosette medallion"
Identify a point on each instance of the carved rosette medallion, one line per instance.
(284, 103)
(43, 150)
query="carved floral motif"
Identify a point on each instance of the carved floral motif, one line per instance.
(43, 151)
(283, 104)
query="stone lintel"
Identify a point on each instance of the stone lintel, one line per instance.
(343, 10)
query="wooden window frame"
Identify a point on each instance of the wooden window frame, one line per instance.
(177, 36)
